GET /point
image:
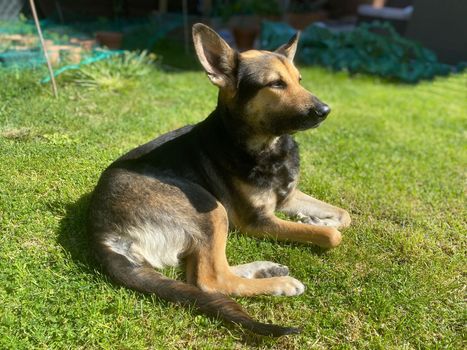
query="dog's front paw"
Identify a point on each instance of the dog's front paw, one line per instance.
(271, 270)
(260, 269)
(345, 219)
(305, 219)
(330, 221)
(288, 286)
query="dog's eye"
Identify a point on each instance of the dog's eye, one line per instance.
(300, 78)
(277, 84)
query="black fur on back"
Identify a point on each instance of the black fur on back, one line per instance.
(215, 147)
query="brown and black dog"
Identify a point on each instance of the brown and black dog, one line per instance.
(174, 198)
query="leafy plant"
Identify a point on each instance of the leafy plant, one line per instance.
(265, 8)
(20, 26)
(116, 72)
(374, 48)
(247, 7)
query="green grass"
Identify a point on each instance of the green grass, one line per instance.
(393, 155)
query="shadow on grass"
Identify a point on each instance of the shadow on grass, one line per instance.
(75, 239)
(73, 236)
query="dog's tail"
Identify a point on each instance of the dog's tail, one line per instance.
(146, 280)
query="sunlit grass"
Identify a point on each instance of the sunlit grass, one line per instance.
(392, 155)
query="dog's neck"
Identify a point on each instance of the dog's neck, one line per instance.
(261, 161)
(260, 143)
(243, 135)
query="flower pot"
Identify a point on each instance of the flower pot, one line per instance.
(302, 20)
(86, 44)
(271, 18)
(245, 29)
(53, 52)
(73, 54)
(112, 40)
(244, 38)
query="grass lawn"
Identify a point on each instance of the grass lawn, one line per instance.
(393, 155)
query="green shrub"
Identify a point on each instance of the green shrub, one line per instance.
(374, 48)
(114, 73)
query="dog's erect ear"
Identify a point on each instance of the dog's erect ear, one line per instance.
(289, 49)
(216, 56)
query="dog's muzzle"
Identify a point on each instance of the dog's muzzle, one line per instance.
(322, 111)
(318, 113)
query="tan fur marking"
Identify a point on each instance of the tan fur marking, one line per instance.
(257, 198)
(288, 101)
(293, 72)
(252, 54)
(211, 271)
(273, 227)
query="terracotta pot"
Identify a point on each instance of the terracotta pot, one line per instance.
(19, 39)
(244, 38)
(245, 29)
(271, 18)
(302, 20)
(53, 51)
(341, 8)
(74, 54)
(86, 44)
(54, 55)
(112, 40)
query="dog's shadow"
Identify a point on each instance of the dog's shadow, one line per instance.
(73, 235)
(74, 238)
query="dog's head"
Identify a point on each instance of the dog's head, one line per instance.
(262, 87)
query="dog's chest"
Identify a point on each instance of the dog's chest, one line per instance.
(276, 170)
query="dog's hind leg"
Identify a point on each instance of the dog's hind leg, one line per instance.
(137, 228)
(145, 279)
(208, 268)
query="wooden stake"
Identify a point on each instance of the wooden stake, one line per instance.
(39, 31)
(185, 25)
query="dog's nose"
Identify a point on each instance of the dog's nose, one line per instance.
(322, 110)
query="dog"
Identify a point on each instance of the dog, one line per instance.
(174, 198)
